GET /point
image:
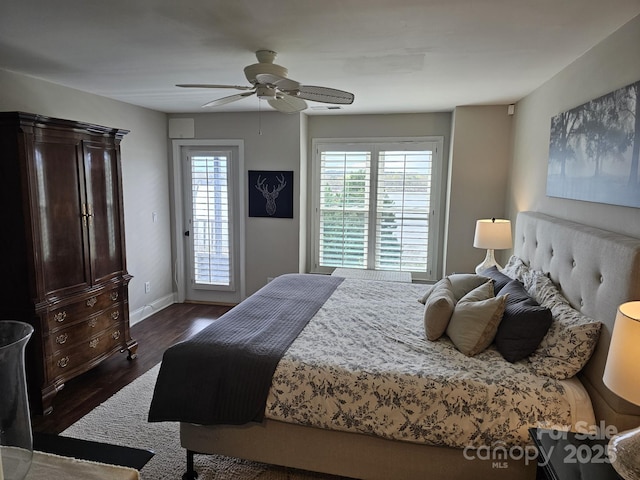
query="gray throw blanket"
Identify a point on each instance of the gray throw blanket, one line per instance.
(223, 374)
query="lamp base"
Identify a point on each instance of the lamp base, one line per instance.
(624, 453)
(489, 261)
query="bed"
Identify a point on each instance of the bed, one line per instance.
(595, 270)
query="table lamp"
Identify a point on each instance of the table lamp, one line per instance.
(493, 235)
(622, 377)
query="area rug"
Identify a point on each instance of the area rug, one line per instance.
(122, 420)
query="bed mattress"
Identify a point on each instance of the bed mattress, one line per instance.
(363, 365)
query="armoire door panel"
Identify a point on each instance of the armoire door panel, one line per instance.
(102, 197)
(60, 198)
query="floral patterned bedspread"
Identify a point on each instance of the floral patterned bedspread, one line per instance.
(363, 365)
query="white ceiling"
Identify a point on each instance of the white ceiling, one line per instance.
(394, 55)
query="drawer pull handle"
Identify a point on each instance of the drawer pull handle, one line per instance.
(60, 339)
(60, 316)
(63, 362)
(115, 315)
(116, 335)
(114, 296)
(94, 343)
(93, 322)
(91, 302)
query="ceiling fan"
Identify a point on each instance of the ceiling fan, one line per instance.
(269, 82)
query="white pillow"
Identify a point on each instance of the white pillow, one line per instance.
(515, 268)
(475, 319)
(572, 337)
(539, 286)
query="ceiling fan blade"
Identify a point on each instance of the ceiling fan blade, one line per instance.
(324, 95)
(209, 85)
(282, 83)
(225, 100)
(288, 104)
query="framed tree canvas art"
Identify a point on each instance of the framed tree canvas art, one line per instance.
(594, 150)
(270, 193)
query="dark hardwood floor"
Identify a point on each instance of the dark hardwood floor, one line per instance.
(154, 335)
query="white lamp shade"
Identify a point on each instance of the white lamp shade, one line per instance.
(622, 370)
(493, 234)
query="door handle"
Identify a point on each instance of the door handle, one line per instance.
(186, 234)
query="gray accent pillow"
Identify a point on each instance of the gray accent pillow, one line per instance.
(461, 284)
(500, 280)
(524, 323)
(438, 309)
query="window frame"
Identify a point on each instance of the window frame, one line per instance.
(375, 145)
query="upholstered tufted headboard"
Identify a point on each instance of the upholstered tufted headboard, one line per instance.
(596, 271)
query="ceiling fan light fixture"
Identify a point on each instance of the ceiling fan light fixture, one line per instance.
(266, 56)
(251, 71)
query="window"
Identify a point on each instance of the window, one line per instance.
(210, 223)
(373, 205)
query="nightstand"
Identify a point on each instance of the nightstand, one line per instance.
(571, 456)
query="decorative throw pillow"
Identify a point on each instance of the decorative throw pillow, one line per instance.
(571, 339)
(515, 268)
(424, 297)
(524, 323)
(438, 309)
(499, 278)
(475, 320)
(461, 284)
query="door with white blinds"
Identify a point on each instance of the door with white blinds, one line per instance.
(374, 205)
(209, 227)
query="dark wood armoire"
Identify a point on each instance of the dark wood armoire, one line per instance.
(62, 245)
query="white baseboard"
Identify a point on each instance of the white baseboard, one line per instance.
(151, 308)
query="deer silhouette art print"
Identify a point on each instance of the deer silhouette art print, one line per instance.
(270, 194)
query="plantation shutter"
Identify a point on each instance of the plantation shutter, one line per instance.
(211, 226)
(402, 213)
(344, 208)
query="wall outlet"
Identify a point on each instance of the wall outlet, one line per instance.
(147, 287)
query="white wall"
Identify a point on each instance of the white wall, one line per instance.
(478, 171)
(145, 175)
(612, 64)
(304, 195)
(271, 244)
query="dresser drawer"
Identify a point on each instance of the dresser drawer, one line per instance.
(81, 310)
(80, 355)
(80, 332)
